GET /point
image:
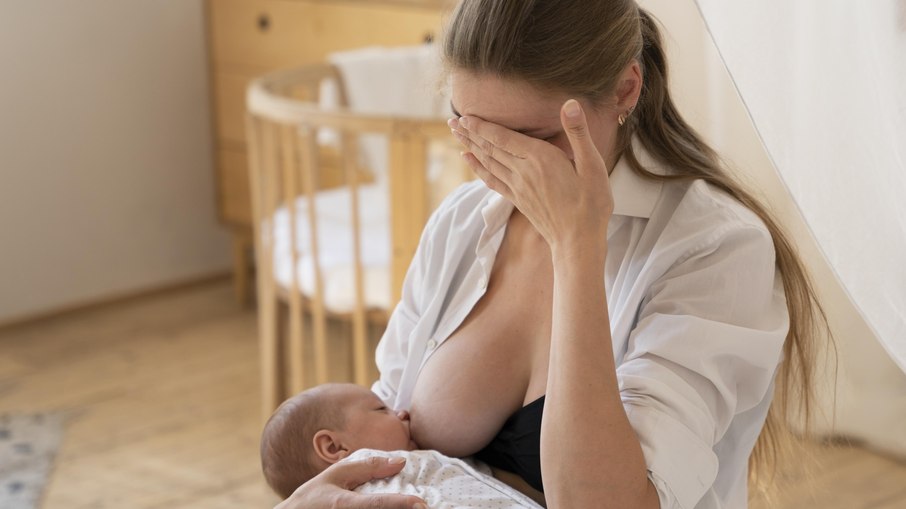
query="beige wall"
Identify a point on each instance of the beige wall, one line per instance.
(870, 389)
(106, 180)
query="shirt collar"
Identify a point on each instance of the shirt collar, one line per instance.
(633, 194)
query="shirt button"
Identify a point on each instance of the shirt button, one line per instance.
(482, 282)
(432, 344)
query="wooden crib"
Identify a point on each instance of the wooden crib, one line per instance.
(287, 162)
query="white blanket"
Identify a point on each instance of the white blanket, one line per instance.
(444, 482)
(399, 81)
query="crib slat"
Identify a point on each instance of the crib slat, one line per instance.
(359, 330)
(408, 199)
(263, 190)
(291, 190)
(308, 148)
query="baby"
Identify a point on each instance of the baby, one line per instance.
(344, 422)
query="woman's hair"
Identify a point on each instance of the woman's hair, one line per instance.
(581, 47)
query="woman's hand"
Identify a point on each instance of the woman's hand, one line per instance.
(332, 488)
(568, 203)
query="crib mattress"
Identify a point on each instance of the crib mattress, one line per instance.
(335, 247)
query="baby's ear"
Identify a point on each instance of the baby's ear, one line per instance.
(329, 447)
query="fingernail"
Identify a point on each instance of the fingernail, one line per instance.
(464, 122)
(452, 122)
(396, 461)
(572, 108)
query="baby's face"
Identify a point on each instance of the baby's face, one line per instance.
(372, 425)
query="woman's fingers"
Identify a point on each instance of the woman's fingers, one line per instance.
(351, 474)
(332, 487)
(487, 155)
(493, 138)
(489, 178)
(499, 149)
(585, 153)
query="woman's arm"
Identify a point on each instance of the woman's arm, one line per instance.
(590, 455)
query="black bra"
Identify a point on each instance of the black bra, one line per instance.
(516, 448)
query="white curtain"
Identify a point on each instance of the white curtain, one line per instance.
(825, 85)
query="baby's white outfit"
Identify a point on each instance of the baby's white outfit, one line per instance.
(444, 482)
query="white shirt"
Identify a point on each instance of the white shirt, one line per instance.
(444, 482)
(697, 312)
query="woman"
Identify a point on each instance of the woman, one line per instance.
(647, 391)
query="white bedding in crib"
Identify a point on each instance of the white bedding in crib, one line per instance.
(335, 245)
(387, 81)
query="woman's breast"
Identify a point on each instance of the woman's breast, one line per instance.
(492, 364)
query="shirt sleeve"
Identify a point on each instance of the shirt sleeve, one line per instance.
(705, 348)
(392, 354)
(392, 351)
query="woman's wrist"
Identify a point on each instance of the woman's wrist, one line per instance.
(568, 257)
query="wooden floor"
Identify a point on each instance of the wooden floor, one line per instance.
(162, 394)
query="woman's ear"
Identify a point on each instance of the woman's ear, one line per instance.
(629, 87)
(329, 446)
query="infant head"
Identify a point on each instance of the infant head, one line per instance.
(318, 427)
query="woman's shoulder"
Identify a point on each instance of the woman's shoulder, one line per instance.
(472, 192)
(697, 215)
(704, 205)
(457, 222)
(723, 207)
(465, 200)
(693, 204)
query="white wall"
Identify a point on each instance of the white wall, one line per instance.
(870, 390)
(106, 179)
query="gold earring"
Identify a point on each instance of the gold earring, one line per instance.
(623, 118)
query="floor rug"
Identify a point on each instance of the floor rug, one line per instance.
(28, 446)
